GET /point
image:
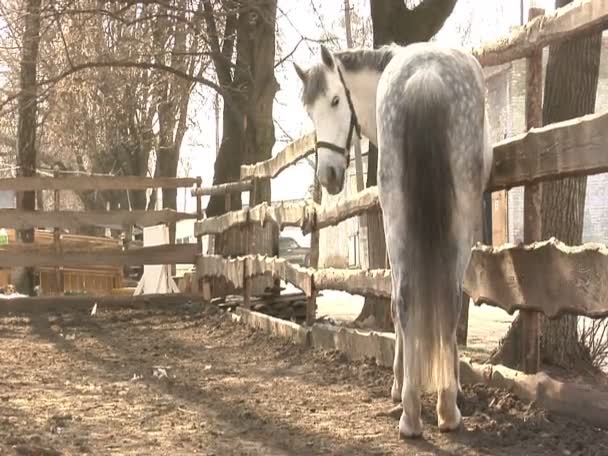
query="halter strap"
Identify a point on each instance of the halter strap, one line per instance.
(353, 127)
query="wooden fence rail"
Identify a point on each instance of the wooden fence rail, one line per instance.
(40, 257)
(86, 183)
(547, 277)
(577, 18)
(20, 219)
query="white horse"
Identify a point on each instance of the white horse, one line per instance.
(423, 106)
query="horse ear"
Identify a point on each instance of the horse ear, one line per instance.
(301, 73)
(327, 57)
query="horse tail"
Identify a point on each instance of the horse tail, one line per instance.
(431, 283)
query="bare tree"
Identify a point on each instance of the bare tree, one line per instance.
(27, 121)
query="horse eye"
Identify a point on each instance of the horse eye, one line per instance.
(335, 101)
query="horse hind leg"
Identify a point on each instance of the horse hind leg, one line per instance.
(398, 359)
(448, 412)
(410, 423)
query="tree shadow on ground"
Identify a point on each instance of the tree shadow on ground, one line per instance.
(135, 332)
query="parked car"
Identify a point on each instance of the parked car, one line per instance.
(294, 252)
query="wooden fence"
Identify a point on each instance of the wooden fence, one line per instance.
(64, 254)
(541, 277)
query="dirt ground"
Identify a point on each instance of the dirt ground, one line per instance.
(183, 381)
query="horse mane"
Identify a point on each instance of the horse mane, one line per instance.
(374, 59)
(351, 60)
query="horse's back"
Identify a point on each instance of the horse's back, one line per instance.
(463, 94)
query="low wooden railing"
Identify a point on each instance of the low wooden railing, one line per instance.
(60, 254)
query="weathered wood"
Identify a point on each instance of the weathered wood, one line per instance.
(231, 269)
(572, 20)
(221, 223)
(222, 189)
(84, 183)
(299, 214)
(291, 154)
(162, 254)
(196, 280)
(547, 277)
(45, 304)
(300, 277)
(358, 204)
(532, 201)
(311, 308)
(374, 282)
(571, 148)
(21, 219)
(57, 237)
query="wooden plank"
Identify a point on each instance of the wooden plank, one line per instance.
(575, 19)
(574, 147)
(532, 201)
(59, 279)
(221, 189)
(300, 277)
(84, 183)
(271, 168)
(46, 304)
(373, 282)
(298, 214)
(231, 269)
(20, 219)
(547, 277)
(162, 254)
(355, 205)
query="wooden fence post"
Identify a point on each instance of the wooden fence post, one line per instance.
(196, 280)
(311, 306)
(249, 239)
(57, 237)
(532, 201)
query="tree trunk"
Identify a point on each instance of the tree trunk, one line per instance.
(570, 91)
(26, 128)
(392, 22)
(248, 128)
(250, 138)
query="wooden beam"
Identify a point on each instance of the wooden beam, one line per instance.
(45, 304)
(271, 168)
(577, 18)
(547, 277)
(20, 219)
(355, 205)
(84, 183)
(571, 148)
(221, 189)
(162, 254)
(374, 282)
(298, 214)
(532, 201)
(231, 269)
(300, 277)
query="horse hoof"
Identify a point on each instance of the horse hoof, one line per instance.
(409, 429)
(451, 424)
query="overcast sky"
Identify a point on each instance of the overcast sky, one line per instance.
(314, 19)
